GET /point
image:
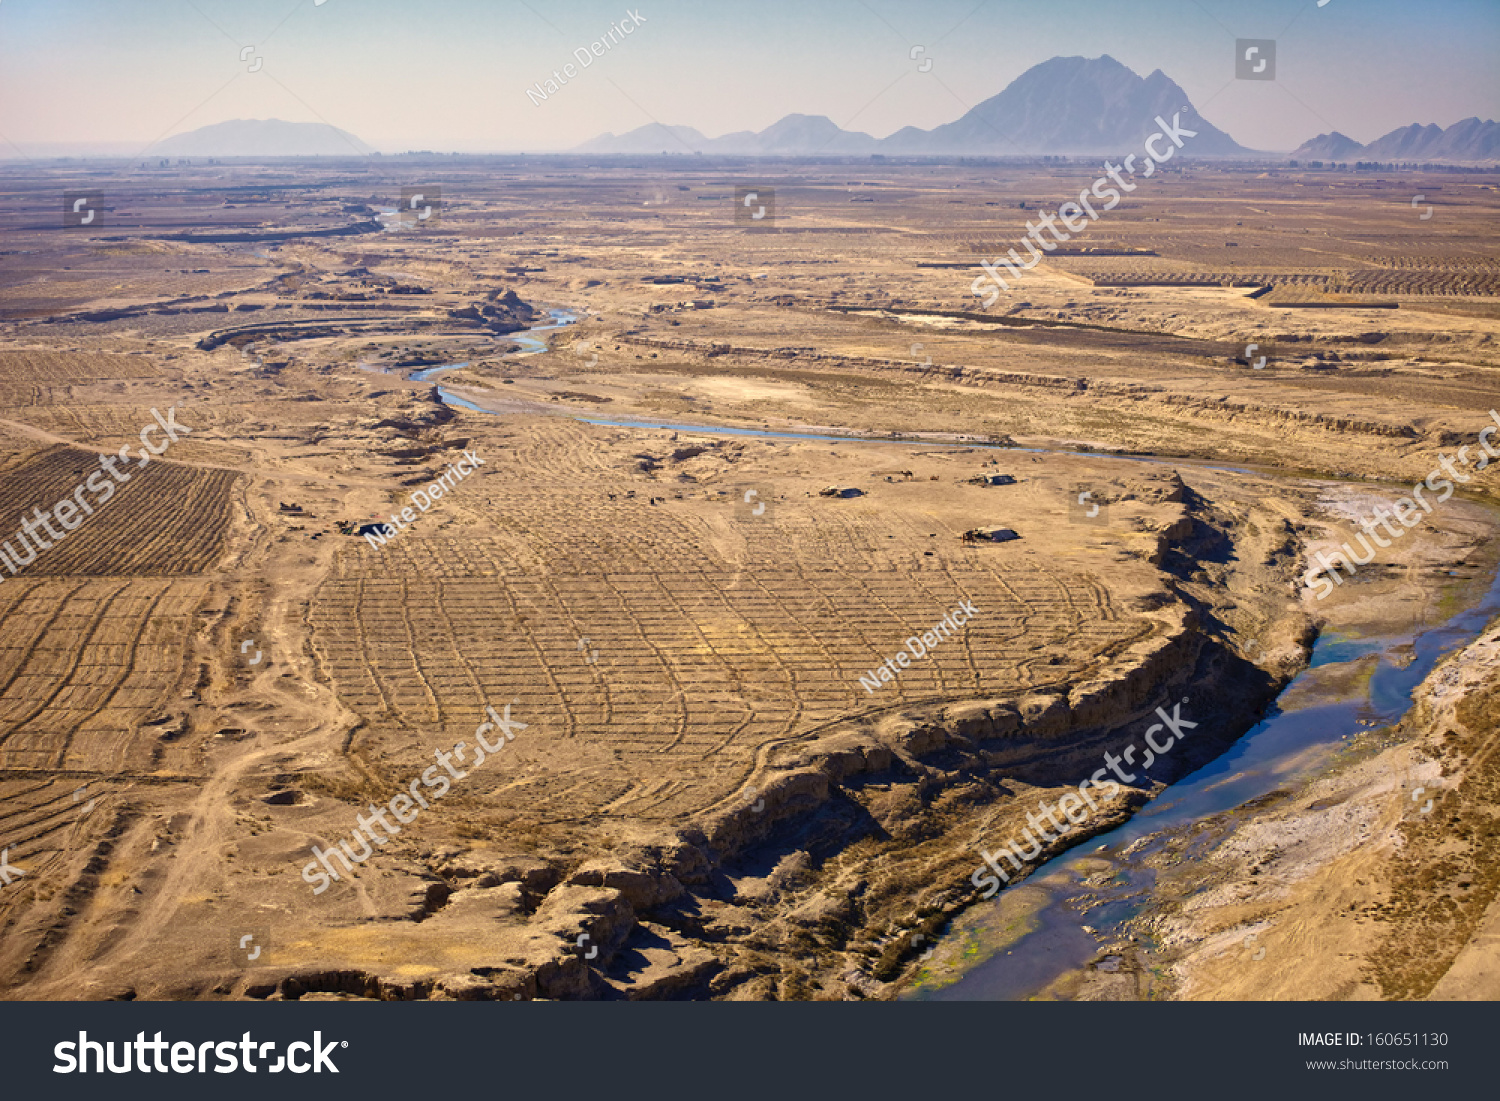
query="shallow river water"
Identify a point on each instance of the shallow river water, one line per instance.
(1320, 708)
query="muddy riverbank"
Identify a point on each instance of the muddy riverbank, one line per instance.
(1182, 900)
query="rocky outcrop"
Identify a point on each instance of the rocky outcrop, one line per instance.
(499, 312)
(422, 412)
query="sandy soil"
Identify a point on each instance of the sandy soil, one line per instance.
(705, 801)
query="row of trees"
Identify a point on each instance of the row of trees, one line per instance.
(1389, 166)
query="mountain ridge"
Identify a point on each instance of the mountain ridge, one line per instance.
(263, 138)
(1468, 140)
(1066, 105)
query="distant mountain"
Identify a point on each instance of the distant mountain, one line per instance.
(263, 138)
(793, 136)
(1072, 105)
(796, 133)
(1469, 140)
(1329, 147)
(1408, 142)
(646, 140)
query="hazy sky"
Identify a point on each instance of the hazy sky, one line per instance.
(451, 75)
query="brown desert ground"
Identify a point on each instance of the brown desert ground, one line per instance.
(217, 674)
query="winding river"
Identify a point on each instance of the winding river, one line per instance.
(529, 346)
(1319, 709)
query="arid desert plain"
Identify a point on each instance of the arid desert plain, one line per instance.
(609, 714)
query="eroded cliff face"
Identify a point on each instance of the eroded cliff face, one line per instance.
(1366, 872)
(854, 843)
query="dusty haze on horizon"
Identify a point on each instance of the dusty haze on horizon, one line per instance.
(451, 76)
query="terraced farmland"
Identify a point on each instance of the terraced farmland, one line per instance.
(84, 664)
(167, 519)
(635, 656)
(32, 366)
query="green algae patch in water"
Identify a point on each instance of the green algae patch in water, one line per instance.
(980, 934)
